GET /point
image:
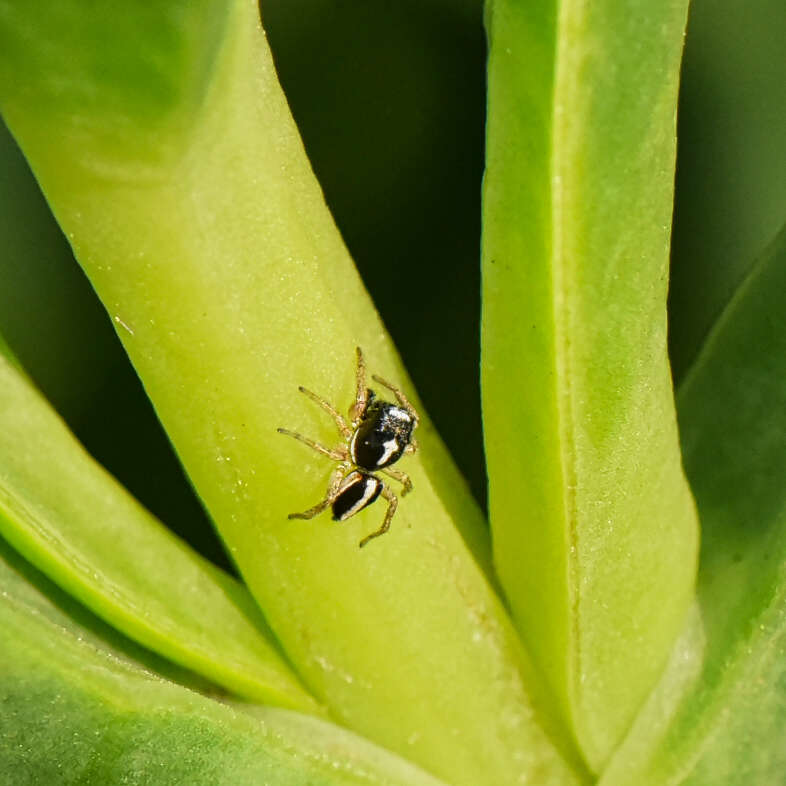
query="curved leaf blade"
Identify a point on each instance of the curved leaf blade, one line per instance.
(73, 521)
(719, 712)
(594, 529)
(78, 711)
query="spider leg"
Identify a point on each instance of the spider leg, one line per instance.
(401, 477)
(335, 482)
(392, 505)
(337, 454)
(357, 409)
(400, 397)
(340, 422)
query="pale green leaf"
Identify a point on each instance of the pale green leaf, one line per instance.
(718, 715)
(594, 528)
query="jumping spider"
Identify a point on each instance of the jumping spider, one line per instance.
(378, 434)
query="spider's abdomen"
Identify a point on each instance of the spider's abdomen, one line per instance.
(381, 437)
(357, 491)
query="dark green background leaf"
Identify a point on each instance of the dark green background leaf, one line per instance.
(731, 162)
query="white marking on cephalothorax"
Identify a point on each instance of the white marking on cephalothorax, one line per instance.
(391, 446)
(368, 492)
(401, 413)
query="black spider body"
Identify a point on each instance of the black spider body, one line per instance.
(377, 434)
(382, 435)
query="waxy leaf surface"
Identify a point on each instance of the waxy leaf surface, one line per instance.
(594, 528)
(79, 707)
(719, 712)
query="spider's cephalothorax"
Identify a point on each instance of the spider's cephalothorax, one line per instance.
(377, 435)
(382, 436)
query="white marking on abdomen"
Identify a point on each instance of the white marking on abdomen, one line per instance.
(371, 487)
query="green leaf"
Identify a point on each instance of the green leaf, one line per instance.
(47, 312)
(121, 111)
(73, 521)
(77, 709)
(209, 243)
(731, 170)
(719, 712)
(594, 529)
